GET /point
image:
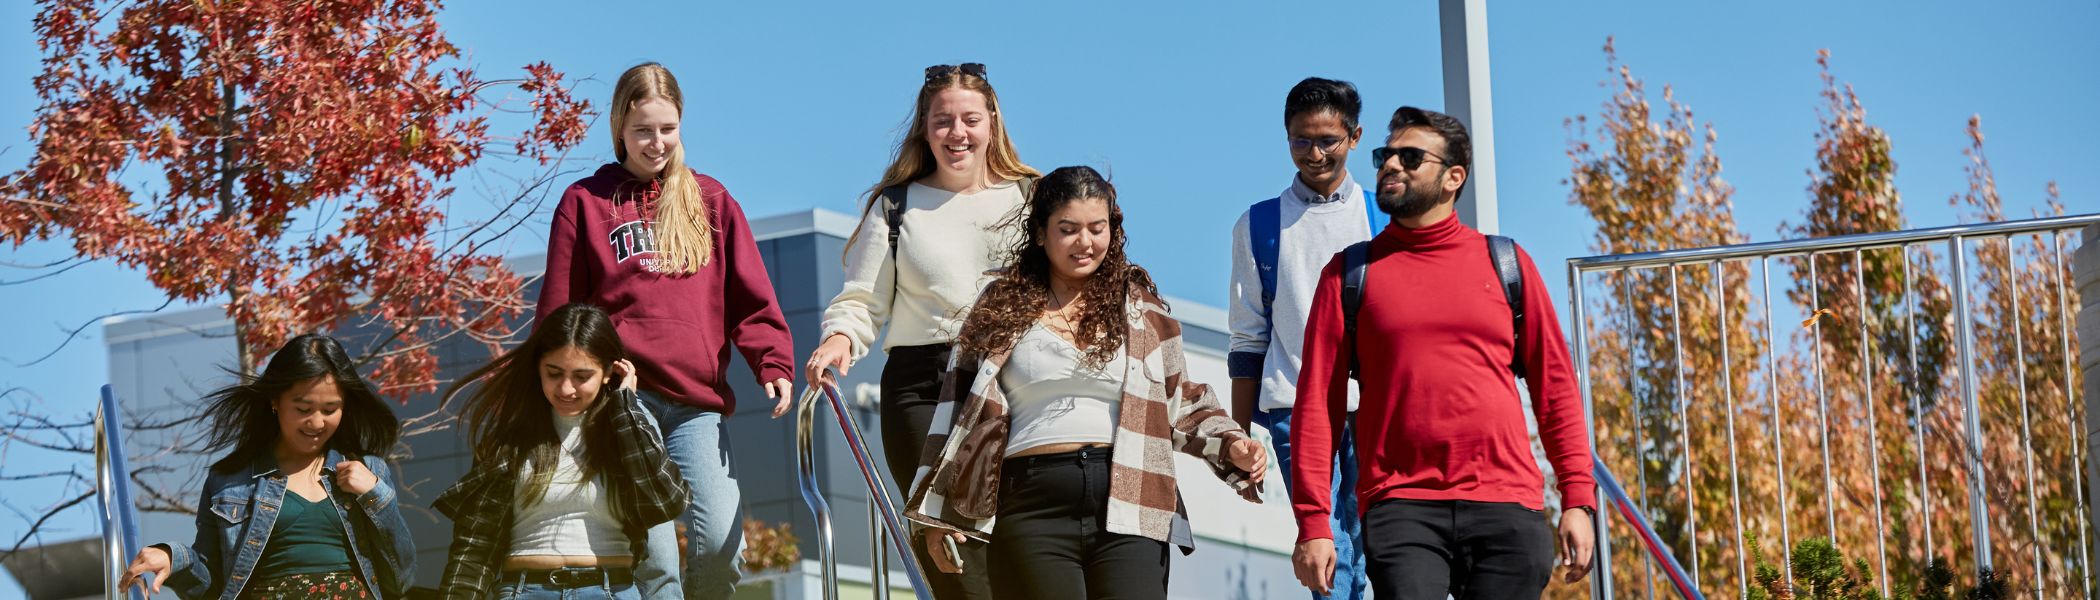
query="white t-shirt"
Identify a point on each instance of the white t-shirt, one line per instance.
(1053, 399)
(572, 518)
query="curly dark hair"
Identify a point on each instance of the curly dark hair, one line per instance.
(1016, 300)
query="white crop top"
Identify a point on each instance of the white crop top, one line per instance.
(572, 518)
(1052, 399)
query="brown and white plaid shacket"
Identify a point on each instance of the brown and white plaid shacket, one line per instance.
(957, 484)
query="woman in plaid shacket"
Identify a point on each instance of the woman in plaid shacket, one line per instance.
(1062, 410)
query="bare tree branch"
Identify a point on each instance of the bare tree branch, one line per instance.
(48, 514)
(75, 332)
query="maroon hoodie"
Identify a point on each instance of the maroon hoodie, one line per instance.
(678, 328)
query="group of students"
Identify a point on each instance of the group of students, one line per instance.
(1035, 381)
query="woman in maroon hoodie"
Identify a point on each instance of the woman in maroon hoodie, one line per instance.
(668, 253)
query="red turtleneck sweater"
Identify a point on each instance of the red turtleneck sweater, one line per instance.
(1440, 418)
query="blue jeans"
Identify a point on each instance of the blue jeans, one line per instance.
(1349, 577)
(714, 521)
(518, 590)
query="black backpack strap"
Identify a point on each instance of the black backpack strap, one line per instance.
(1503, 252)
(1355, 265)
(893, 213)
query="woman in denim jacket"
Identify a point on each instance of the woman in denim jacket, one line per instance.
(304, 505)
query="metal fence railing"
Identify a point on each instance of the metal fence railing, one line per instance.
(2002, 280)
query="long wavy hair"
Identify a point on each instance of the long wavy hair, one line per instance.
(914, 157)
(1016, 300)
(241, 418)
(509, 423)
(685, 234)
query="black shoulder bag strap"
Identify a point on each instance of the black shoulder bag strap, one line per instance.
(1355, 263)
(1503, 251)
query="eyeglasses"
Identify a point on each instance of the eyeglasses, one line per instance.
(1410, 157)
(1326, 145)
(941, 71)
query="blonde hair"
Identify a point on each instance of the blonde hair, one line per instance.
(685, 234)
(914, 157)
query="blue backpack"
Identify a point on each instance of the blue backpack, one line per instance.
(1264, 228)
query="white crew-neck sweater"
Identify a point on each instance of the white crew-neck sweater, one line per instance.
(947, 247)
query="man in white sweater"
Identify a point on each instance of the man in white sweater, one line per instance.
(1279, 247)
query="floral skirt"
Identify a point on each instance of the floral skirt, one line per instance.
(340, 585)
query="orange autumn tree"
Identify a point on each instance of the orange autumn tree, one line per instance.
(1651, 180)
(1882, 331)
(2023, 304)
(290, 159)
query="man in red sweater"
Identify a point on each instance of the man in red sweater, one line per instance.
(1453, 495)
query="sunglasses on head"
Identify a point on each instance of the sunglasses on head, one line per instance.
(937, 72)
(1410, 157)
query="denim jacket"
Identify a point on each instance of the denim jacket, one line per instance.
(239, 508)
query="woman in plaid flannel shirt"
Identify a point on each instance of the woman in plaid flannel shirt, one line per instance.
(568, 476)
(1061, 413)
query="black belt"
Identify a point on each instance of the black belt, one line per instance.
(1080, 456)
(572, 577)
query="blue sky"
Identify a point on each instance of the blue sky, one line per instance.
(796, 105)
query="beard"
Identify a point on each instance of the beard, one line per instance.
(1415, 201)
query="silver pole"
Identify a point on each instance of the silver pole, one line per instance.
(1468, 96)
(1684, 420)
(1815, 303)
(1640, 434)
(1735, 490)
(2063, 323)
(878, 565)
(113, 563)
(1600, 582)
(1917, 408)
(820, 509)
(1786, 534)
(1979, 514)
(2034, 527)
(1866, 366)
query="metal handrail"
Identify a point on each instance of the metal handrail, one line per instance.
(1836, 243)
(878, 493)
(1656, 550)
(120, 531)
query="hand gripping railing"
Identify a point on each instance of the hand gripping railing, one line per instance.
(1653, 543)
(878, 494)
(120, 531)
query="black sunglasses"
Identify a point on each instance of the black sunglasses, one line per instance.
(1410, 157)
(941, 71)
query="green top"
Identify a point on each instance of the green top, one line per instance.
(308, 538)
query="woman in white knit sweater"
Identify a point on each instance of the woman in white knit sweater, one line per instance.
(929, 234)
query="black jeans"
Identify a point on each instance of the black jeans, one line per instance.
(1052, 542)
(1424, 549)
(911, 388)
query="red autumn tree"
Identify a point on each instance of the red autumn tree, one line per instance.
(288, 158)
